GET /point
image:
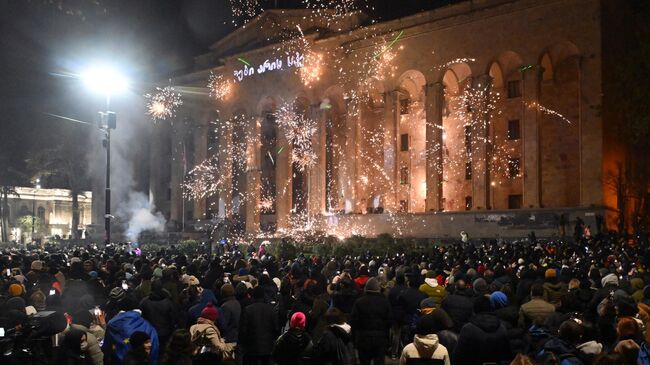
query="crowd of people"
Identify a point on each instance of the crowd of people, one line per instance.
(557, 302)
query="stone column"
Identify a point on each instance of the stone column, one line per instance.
(283, 180)
(350, 176)
(253, 176)
(315, 174)
(480, 166)
(391, 120)
(530, 134)
(225, 165)
(433, 109)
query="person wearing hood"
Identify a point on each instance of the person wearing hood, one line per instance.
(363, 277)
(425, 345)
(231, 312)
(206, 296)
(118, 332)
(74, 348)
(205, 335)
(335, 346)
(431, 288)
(437, 321)
(564, 345)
(554, 289)
(484, 339)
(159, 310)
(293, 345)
(258, 330)
(140, 352)
(609, 285)
(370, 322)
(82, 320)
(397, 311)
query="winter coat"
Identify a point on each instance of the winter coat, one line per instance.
(231, 314)
(259, 329)
(397, 308)
(160, 312)
(433, 290)
(483, 339)
(334, 347)
(370, 321)
(554, 291)
(290, 348)
(425, 347)
(410, 301)
(567, 354)
(637, 289)
(535, 311)
(205, 334)
(460, 308)
(94, 351)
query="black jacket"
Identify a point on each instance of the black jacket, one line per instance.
(258, 329)
(410, 301)
(161, 313)
(291, 346)
(483, 339)
(397, 309)
(459, 308)
(231, 314)
(370, 320)
(335, 341)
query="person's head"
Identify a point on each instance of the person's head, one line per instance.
(482, 304)
(83, 318)
(537, 290)
(298, 320)
(140, 341)
(628, 329)
(522, 359)
(334, 316)
(570, 331)
(499, 300)
(210, 312)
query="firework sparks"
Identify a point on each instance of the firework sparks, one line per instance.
(299, 131)
(311, 72)
(446, 65)
(203, 181)
(547, 111)
(163, 104)
(219, 86)
(246, 9)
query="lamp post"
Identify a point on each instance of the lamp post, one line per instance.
(107, 81)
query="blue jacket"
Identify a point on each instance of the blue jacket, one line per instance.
(120, 328)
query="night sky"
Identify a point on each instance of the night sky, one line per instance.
(41, 41)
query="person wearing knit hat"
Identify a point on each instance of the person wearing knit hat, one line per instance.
(117, 294)
(609, 280)
(206, 336)
(16, 290)
(290, 347)
(370, 319)
(550, 273)
(498, 300)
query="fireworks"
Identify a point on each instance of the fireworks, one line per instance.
(311, 72)
(446, 65)
(246, 9)
(299, 130)
(219, 86)
(163, 104)
(545, 110)
(203, 181)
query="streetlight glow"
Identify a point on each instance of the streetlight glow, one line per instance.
(104, 79)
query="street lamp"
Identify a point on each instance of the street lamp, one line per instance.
(107, 81)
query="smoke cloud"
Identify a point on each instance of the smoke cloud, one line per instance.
(142, 216)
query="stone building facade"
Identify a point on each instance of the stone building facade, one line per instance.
(52, 208)
(489, 114)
